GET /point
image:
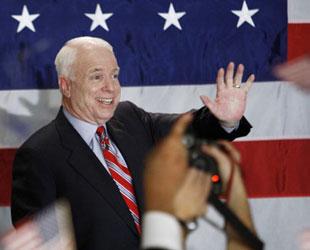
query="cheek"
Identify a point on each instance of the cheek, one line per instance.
(76, 96)
(90, 93)
(84, 99)
(118, 88)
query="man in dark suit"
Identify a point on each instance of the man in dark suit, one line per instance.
(68, 157)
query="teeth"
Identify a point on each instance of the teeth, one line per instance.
(104, 100)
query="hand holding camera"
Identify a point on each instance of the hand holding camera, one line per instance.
(172, 186)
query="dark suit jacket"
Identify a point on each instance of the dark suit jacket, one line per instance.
(55, 162)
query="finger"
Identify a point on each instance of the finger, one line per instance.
(297, 66)
(300, 80)
(181, 125)
(239, 75)
(231, 150)
(214, 152)
(208, 103)
(303, 82)
(230, 74)
(201, 183)
(205, 183)
(249, 83)
(207, 186)
(194, 177)
(221, 158)
(220, 79)
(203, 189)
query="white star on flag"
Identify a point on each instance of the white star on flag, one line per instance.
(25, 19)
(245, 14)
(99, 19)
(172, 17)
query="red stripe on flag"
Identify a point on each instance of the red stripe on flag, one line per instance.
(278, 168)
(298, 40)
(6, 161)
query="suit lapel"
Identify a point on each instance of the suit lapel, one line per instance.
(85, 162)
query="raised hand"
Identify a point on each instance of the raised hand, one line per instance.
(230, 102)
(296, 71)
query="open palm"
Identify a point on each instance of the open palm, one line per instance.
(230, 102)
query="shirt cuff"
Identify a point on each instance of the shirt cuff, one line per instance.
(230, 129)
(161, 230)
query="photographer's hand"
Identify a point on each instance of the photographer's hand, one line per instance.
(166, 168)
(228, 163)
(173, 189)
(170, 185)
(190, 199)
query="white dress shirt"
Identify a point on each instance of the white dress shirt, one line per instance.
(88, 133)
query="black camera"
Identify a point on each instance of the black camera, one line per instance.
(202, 161)
(205, 162)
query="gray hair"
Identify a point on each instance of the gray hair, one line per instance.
(67, 54)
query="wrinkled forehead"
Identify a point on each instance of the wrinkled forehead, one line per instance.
(95, 56)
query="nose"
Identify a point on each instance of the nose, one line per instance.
(108, 84)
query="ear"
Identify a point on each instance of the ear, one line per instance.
(64, 86)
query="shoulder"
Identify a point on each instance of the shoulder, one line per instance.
(128, 110)
(43, 150)
(43, 136)
(126, 106)
(48, 137)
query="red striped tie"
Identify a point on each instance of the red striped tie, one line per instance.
(121, 176)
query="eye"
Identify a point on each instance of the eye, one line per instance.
(96, 77)
(115, 76)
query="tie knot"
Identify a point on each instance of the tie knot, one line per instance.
(100, 131)
(103, 138)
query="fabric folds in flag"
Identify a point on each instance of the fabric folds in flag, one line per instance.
(169, 53)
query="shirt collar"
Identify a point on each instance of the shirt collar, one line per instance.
(85, 129)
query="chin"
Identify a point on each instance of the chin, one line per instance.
(105, 119)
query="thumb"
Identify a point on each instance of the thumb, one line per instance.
(208, 102)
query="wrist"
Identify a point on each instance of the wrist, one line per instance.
(158, 204)
(229, 124)
(188, 226)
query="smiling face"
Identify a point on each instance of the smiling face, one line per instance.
(93, 93)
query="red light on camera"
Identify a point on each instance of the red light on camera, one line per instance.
(215, 178)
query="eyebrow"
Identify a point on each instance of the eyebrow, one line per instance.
(95, 70)
(117, 69)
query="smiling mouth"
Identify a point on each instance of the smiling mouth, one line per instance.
(106, 101)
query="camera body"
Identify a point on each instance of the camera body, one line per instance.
(202, 161)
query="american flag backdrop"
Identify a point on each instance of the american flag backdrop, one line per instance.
(169, 53)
